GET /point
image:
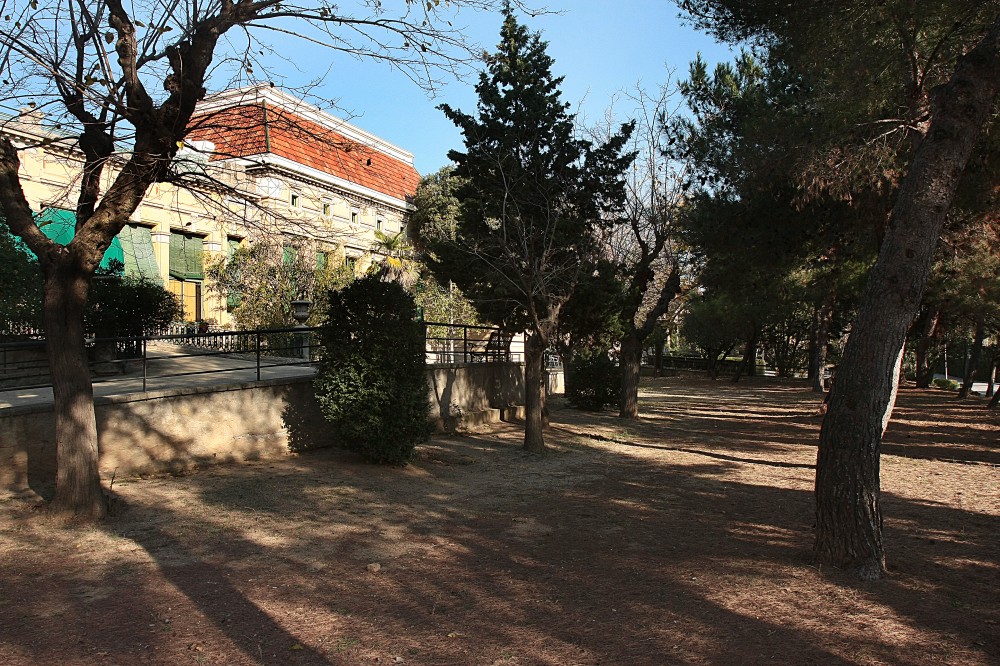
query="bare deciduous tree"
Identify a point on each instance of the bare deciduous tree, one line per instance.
(641, 242)
(122, 81)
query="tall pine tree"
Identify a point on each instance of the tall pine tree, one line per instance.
(532, 197)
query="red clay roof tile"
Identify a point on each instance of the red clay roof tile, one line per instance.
(241, 131)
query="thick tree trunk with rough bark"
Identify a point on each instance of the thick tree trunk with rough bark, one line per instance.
(534, 394)
(926, 325)
(848, 515)
(630, 359)
(974, 358)
(78, 484)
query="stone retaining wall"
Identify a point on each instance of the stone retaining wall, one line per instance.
(180, 428)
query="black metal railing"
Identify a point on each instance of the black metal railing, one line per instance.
(466, 343)
(23, 364)
(722, 366)
(193, 351)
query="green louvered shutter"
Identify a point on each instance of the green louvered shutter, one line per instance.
(140, 258)
(233, 297)
(194, 249)
(185, 257)
(60, 226)
(178, 267)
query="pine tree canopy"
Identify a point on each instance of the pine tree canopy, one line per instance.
(533, 196)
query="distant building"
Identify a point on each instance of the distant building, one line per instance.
(261, 164)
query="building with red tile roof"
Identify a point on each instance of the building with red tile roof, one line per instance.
(265, 128)
(259, 165)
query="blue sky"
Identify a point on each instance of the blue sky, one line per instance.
(600, 46)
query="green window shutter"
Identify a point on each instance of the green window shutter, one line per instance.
(194, 250)
(60, 226)
(178, 266)
(185, 257)
(321, 261)
(140, 258)
(288, 255)
(125, 238)
(233, 297)
(113, 253)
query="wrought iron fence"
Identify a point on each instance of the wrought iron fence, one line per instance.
(189, 349)
(466, 343)
(23, 364)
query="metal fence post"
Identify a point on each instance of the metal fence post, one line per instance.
(144, 361)
(258, 355)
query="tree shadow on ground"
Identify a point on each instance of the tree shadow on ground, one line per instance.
(597, 553)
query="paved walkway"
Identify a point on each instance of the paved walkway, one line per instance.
(168, 368)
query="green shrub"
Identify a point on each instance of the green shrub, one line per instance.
(21, 296)
(372, 384)
(117, 305)
(946, 384)
(593, 381)
(123, 305)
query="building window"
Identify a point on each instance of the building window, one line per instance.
(295, 200)
(233, 296)
(138, 254)
(350, 262)
(189, 295)
(378, 224)
(60, 226)
(355, 216)
(186, 271)
(326, 209)
(185, 256)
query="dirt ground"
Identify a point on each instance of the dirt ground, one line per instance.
(683, 538)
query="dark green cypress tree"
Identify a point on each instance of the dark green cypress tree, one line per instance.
(532, 200)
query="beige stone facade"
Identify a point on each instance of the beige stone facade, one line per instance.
(259, 164)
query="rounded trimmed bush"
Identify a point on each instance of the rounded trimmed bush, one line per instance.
(372, 383)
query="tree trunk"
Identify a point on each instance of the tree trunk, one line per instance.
(711, 365)
(534, 394)
(631, 366)
(974, 358)
(821, 340)
(749, 361)
(848, 515)
(995, 400)
(78, 483)
(750, 356)
(739, 368)
(658, 358)
(925, 369)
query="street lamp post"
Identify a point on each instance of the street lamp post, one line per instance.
(300, 313)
